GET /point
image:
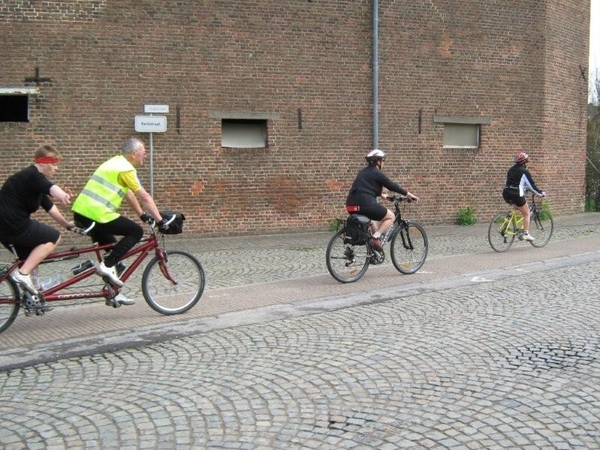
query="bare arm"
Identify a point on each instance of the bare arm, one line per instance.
(55, 213)
(133, 202)
(60, 195)
(148, 202)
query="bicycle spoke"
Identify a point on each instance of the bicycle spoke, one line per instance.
(346, 263)
(174, 286)
(409, 248)
(501, 232)
(9, 304)
(541, 228)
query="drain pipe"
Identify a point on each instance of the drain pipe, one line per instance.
(375, 74)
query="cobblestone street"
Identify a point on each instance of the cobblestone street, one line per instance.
(507, 359)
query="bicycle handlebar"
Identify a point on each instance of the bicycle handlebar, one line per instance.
(399, 198)
(83, 231)
(153, 223)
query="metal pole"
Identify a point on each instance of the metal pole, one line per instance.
(151, 166)
(375, 74)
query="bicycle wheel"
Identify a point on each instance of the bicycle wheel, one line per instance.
(174, 286)
(409, 247)
(541, 228)
(502, 232)
(9, 303)
(346, 263)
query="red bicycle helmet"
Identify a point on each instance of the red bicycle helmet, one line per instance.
(521, 158)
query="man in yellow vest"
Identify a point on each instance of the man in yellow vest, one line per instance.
(100, 200)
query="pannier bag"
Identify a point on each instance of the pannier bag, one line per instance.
(176, 227)
(357, 229)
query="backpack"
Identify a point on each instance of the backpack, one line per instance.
(357, 230)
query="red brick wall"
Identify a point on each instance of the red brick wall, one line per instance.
(514, 62)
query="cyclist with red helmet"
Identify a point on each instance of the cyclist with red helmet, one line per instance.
(367, 186)
(518, 182)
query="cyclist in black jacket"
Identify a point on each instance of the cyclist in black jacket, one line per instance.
(518, 182)
(367, 186)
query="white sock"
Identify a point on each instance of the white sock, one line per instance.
(376, 235)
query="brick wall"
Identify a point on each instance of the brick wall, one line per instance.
(308, 64)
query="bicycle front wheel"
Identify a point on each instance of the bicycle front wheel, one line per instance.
(541, 228)
(175, 285)
(346, 263)
(9, 303)
(502, 232)
(409, 248)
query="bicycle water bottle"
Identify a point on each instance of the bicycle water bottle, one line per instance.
(387, 235)
(50, 281)
(83, 266)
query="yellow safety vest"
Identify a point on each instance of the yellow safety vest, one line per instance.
(102, 195)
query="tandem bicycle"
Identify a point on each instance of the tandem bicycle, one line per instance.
(172, 282)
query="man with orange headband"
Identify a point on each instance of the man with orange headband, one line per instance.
(21, 195)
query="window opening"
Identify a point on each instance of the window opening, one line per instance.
(244, 133)
(14, 108)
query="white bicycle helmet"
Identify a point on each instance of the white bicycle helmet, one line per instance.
(375, 155)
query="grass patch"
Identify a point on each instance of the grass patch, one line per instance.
(466, 216)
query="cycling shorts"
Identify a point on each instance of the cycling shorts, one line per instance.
(34, 234)
(511, 196)
(368, 206)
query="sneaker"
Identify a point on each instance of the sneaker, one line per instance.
(526, 236)
(25, 281)
(110, 273)
(124, 300)
(377, 243)
(120, 268)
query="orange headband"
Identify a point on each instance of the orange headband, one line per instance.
(47, 160)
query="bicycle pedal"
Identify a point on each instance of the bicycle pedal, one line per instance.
(41, 311)
(112, 302)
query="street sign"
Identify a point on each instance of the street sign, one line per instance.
(156, 109)
(150, 124)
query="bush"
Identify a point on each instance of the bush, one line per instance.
(466, 216)
(335, 224)
(590, 204)
(544, 212)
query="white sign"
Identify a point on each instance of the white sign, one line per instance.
(150, 124)
(154, 109)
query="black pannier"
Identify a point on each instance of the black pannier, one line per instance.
(175, 227)
(357, 229)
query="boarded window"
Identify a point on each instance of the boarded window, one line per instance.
(461, 135)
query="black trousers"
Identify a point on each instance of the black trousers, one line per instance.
(103, 233)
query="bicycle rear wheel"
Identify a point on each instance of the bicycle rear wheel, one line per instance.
(9, 303)
(502, 232)
(409, 247)
(346, 263)
(541, 228)
(173, 286)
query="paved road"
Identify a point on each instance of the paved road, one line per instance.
(458, 356)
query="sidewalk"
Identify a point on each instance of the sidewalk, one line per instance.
(256, 278)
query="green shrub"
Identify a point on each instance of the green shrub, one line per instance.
(544, 211)
(335, 224)
(466, 216)
(590, 204)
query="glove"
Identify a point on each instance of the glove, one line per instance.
(163, 224)
(145, 217)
